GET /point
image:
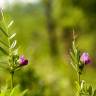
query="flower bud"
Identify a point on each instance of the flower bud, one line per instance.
(23, 61)
(85, 59)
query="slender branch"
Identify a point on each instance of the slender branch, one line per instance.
(79, 81)
(12, 82)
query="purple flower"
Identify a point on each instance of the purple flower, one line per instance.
(23, 60)
(85, 58)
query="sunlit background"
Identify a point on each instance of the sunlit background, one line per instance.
(44, 33)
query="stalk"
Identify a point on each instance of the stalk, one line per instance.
(12, 82)
(79, 82)
(11, 66)
(10, 57)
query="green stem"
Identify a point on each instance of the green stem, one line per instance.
(12, 77)
(79, 81)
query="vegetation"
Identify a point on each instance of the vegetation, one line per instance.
(43, 33)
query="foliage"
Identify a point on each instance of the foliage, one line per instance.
(31, 35)
(78, 62)
(5, 91)
(14, 62)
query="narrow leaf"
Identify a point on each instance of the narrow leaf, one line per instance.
(94, 93)
(2, 30)
(90, 90)
(13, 44)
(73, 58)
(4, 51)
(2, 14)
(3, 43)
(82, 84)
(15, 91)
(12, 36)
(73, 66)
(10, 24)
(74, 48)
(3, 90)
(24, 92)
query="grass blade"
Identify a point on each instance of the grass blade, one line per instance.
(4, 51)
(4, 43)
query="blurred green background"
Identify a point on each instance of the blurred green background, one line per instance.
(44, 33)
